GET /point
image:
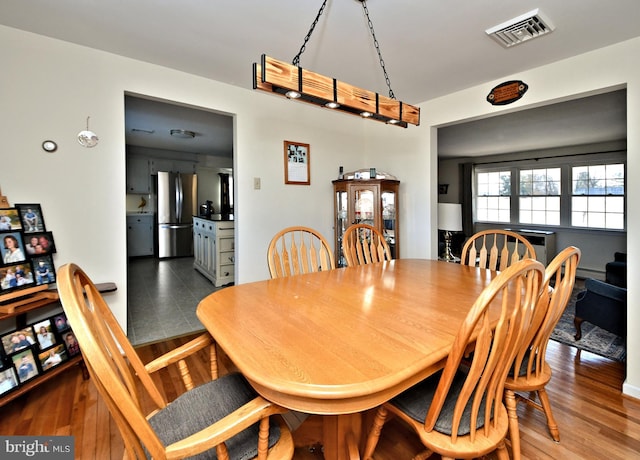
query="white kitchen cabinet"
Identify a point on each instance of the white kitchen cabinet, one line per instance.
(138, 178)
(213, 246)
(140, 235)
(167, 164)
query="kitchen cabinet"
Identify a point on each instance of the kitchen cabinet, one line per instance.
(366, 201)
(140, 235)
(213, 249)
(138, 178)
(167, 164)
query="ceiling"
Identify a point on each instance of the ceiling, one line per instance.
(430, 49)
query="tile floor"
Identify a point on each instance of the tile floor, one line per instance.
(162, 298)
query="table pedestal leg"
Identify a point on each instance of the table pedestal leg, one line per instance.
(341, 435)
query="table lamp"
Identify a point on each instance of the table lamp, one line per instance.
(449, 220)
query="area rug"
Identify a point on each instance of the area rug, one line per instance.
(594, 339)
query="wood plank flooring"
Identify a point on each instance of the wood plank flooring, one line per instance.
(596, 421)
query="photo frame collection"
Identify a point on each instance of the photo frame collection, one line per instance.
(26, 249)
(34, 350)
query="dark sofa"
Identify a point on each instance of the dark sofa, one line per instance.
(604, 305)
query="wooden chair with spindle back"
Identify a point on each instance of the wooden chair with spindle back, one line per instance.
(364, 244)
(298, 250)
(459, 411)
(496, 249)
(224, 416)
(533, 371)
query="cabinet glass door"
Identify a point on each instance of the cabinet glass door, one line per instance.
(364, 206)
(389, 219)
(342, 222)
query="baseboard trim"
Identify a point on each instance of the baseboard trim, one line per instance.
(631, 390)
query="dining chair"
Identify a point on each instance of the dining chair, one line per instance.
(459, 411)
(496, 249)
(297, 250)
(533, 371)
(224, 416)
(364, 244)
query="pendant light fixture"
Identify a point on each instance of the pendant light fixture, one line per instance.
(294, 82)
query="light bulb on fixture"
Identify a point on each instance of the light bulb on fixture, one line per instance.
(332, 105)
(87, 138)
(292, 94)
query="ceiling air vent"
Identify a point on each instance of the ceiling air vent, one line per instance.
(517, 30)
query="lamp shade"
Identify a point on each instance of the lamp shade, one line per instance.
(450, 217)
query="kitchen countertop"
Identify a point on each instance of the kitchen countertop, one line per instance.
(217, 217)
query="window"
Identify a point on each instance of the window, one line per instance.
(493, 199)
(559, 191)
(598, 196)
(540, 196)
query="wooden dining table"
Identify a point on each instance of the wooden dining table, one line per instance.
(342, 341)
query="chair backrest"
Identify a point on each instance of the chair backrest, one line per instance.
(496, 249)
(514, 292)
(559, 279)
(113, 364)
(364, 244)
(298, 250)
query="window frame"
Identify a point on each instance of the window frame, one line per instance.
(566, 165)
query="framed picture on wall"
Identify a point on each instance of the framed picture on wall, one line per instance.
(297, 163)
(10, 219)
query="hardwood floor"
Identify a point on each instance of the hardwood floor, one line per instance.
(596, 421)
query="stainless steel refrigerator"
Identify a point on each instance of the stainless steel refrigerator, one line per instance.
(176, 198)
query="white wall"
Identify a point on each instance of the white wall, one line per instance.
(49, 87)
(590, 73)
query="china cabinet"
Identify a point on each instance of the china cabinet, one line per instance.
(366, 201)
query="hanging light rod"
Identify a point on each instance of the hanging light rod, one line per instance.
(294, 82)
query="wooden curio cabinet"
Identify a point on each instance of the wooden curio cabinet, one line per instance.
(366, 201)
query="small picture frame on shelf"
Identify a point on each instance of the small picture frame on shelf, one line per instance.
(16, 276)
(44, 334)
(25, 365)
(40, 244)
(43, 270)
(52, 357)
(8, 379)
(12, 247)
(297, 158)
(70, 341)
(31, 218)
(10, 219)
(20, 339)
(60, 322)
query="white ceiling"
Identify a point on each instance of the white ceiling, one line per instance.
(430, 48)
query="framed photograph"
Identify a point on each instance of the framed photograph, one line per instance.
(60, 322)
(18, 340)
(8, 379)
(297, 158)
(31, 218)
(73, 348)
(52, 357)
(39, 244)
(44, 334)
(10, 219)
(25, 365)
(43, 270)
(15, 277)
(12, 248)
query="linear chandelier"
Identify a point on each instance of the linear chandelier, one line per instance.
(294, 82)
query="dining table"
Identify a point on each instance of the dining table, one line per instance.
(342, 341)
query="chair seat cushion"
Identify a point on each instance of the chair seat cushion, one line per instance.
(416, 401)
(204, 405)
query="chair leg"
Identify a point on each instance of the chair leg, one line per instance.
(551, 422)
(514, 430)
(374, 434)
(501, 452)
(577, 322)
